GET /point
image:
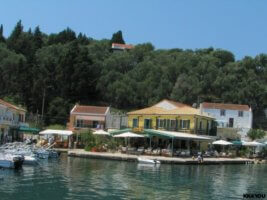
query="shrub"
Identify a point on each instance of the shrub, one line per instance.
(256, 134)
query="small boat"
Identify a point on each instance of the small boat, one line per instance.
(11, 161)
(30, 160)
(148, 161)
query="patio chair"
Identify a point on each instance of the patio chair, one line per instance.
(166, 152)
(123, 149)
(156, 151)
(177, 153)
(131, 150)
(148, 151)
(140, 150)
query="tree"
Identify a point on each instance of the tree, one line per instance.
(37, 38)
(2, 38)
(254, 134)
(117, 38)
(57, 111)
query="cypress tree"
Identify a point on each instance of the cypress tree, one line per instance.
(117, 38)
(37, 38)
(2, 38)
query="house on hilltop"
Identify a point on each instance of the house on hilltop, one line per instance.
(116, 47)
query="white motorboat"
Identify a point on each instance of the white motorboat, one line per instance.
(148, 161)
(30, 160)
(11, 161)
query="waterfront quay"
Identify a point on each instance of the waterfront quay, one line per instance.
(165, 160)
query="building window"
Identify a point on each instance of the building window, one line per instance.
(173, 124)
(79, 123)
(135, 123)
(161, 123)
(185, 124)
(21, 118)
(222, 112)
(200, 125)
(240, 113)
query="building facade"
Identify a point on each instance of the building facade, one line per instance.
(85, 117)
(172, 116)
(11, 119)
(233, 116)
(121, 47)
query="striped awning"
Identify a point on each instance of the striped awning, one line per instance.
(90, 118)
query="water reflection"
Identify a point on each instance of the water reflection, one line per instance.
(77, 178)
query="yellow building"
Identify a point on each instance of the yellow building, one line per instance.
(172, 116)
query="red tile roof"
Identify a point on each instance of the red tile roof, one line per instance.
(122, 46)
(90, 109)
(225, 106)
(9, 105)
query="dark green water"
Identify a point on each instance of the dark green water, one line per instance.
(77, 178)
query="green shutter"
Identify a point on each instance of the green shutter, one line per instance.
(188, 124)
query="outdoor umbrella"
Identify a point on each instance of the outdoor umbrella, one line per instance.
(252, 144)
(101, 132)
(221, 142)
(128, 135)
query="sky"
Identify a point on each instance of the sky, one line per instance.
(239, 26)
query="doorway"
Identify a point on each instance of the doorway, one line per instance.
(231, 122)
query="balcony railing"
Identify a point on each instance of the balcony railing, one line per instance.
(9, 122)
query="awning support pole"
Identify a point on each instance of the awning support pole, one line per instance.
(172, 146)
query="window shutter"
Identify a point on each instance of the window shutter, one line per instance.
(188, 124)
(157, 123)
(181, 123)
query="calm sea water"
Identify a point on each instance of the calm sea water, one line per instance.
(78, 178)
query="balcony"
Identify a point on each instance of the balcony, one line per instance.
(8, 122)
(23, 124)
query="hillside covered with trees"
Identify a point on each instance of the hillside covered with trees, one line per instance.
(65, 68)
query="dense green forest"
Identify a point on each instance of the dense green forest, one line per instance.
(67, 68)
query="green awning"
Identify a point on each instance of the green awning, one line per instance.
(175, 135)
(237, 142)
(115, 132)
(28, 129)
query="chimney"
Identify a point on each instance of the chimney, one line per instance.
(201, 108)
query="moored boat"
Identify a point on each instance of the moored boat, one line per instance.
(11, 161)
(148, 161)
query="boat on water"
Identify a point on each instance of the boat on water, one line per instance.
(11, 161)
(148, 161)
(30, 160)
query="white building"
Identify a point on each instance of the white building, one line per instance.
(11, 119)
(234, 116)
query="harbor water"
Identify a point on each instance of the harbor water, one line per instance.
(80, 178)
